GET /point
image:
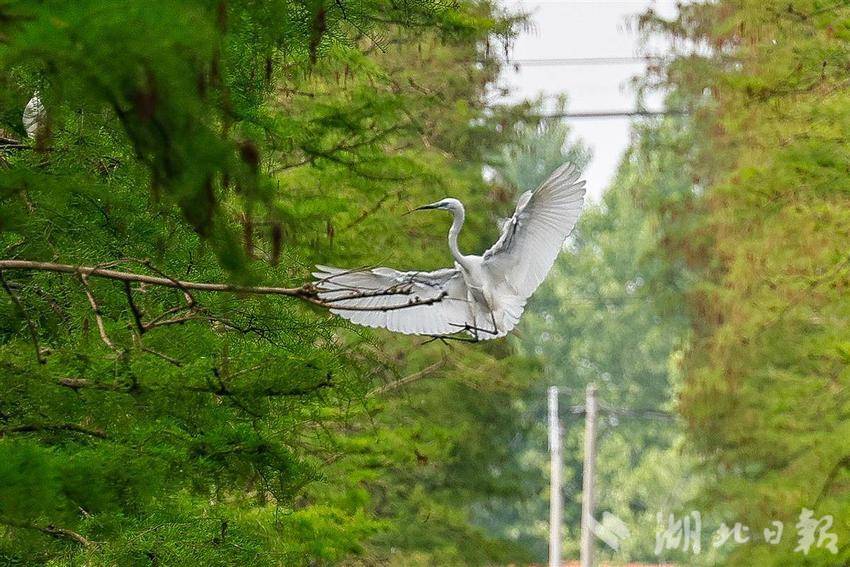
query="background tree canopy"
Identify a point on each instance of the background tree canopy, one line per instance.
(763, 235)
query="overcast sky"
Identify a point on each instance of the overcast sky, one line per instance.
(584, 29)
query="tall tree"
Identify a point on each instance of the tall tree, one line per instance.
(236, 142)
(764, 233)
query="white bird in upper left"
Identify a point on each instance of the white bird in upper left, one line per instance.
(483, 296)
(34, 116)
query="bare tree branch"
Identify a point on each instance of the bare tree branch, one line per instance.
(307, 292)
(137, 315)
(22, 311)
(101, 329)
(78, 383)
(50, 530)
(36, 427)
(424, 373)
(218, 390)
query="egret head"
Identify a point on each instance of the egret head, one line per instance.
(447, 204)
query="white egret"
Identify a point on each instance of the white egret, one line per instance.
(483, 296)
(34, 116)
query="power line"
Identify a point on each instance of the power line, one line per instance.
(534, 3)
(569, 61)
(569, 2)
(649, 413)
(612, 114)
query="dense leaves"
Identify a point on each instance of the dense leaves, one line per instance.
(235, 141)
(764, 233)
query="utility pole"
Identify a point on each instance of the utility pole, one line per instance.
(555, 498)
(587, 503)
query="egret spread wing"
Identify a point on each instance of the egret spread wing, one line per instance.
(532, 238)
(387, 298)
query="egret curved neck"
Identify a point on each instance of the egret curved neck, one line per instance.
(454, 231)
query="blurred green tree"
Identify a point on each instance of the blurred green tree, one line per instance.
(764, 236)
(608, 315)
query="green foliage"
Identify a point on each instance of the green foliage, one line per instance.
(764, 234)
(537, 151)
(435, 449)
(598, 319)
(238, 141)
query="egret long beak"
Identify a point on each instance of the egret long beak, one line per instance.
(422, 208)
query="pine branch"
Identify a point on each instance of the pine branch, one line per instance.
(78, 383)
(374, 208)
(267, 392)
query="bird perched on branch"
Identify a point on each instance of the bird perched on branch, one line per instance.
(482, 296)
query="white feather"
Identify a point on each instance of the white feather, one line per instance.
(34, 116)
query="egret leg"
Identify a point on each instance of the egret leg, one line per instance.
(473, 329)
(461, 328)
(446, 338)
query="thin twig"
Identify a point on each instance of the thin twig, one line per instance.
(79, 383)
(370, 210)
(424, 373)
(97, 314)
(22, 311)
(50, 530)
(165, 314)
(137, 340)
(137, 315)
(250, 369)
(163, 356)
(37, 427)
(190, 299)
(174, 321)
(222, 390)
